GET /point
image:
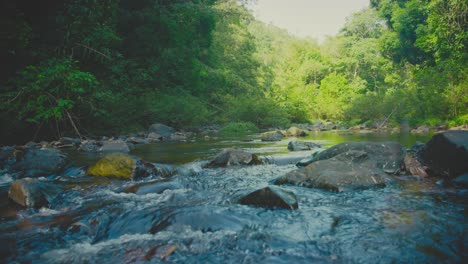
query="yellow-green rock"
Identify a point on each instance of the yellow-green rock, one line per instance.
(117, 165)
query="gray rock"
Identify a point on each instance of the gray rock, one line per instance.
(154, 137)
(302, 145)
(446, 154)
(89, 146)
(271, 197)
(137, 140)
(161, 129)
(388, 156)
(114, 146)
(350, 170)
(152, 187)
(233, 157)
(40, 162)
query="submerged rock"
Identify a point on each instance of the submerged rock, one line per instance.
(151, 187)
(272, 136)
(233, 157)
(446, 154)
(302, 145)
(388, 156)
(40, 162)
(30, 192)
(347, 171)
(271, 197)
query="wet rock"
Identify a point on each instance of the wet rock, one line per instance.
(388, 156)
(296, 132)
(302, 145)
(414, 166)
(117, 165)
(123, 166)
(114, 146)
(40, 162)
(347, 171)
(271, 197)
(152, 187)
(446, 154)
(272, 136)
(233, 157)
(284, 159)
(30, 192)
(161, 129)
(89, 146)
(462, 180)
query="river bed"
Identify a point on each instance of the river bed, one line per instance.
(198, 218)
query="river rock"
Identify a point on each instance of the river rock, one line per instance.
(7, 157)
(151, 187)
(302, 145)
(40, 162)
(123, 166)
(90, 146)
(350, 170)
(272, 136)
(388, 156)
(446, 154)
(296, 132)
(154, 137)
(161, 129)
(30, 192)
(414, 167)
(117, 165)
(271, 197)
(233, 157)
(114, 146)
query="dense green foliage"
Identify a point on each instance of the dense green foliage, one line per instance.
(117, 66)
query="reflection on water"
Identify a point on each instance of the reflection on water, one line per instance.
(409, 221)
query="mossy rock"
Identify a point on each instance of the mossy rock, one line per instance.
(116, 165)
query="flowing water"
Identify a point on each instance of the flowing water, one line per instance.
(196, 215)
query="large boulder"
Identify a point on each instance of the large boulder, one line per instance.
(271, 197)
(388, 156)
(233, 157)
(272, 136)
(346, 171)
(123, 166)
(302, 145)
(116, 165)
(40, 162)
(30, 192)
(161, 129)
(446, 154)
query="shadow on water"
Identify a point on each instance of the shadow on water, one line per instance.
(409, 221)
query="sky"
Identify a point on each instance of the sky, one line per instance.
(307, 18)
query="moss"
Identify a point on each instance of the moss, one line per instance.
(117, 165)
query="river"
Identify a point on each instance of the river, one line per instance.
(196, 215)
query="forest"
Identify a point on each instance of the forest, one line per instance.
(92, 67)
